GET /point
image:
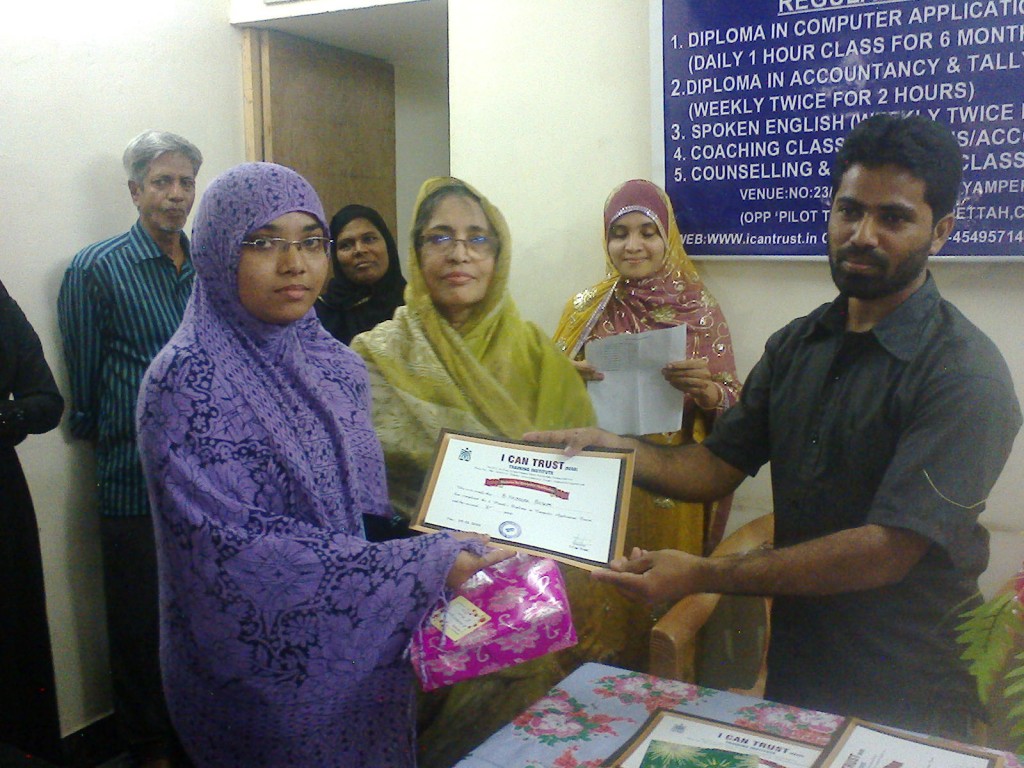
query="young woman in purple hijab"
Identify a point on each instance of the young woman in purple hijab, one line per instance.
(283, 630)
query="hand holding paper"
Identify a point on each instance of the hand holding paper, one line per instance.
(466, 564)
(587, 371)
(576, 440)
(693, 377)
(634, 397)
(661, 576)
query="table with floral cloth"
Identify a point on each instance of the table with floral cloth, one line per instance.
(598, 708)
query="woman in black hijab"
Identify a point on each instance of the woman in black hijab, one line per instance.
(367, 285)
(29, 404)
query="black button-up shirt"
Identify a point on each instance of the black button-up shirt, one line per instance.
(907, 425)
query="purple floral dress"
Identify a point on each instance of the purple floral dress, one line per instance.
(283, 630)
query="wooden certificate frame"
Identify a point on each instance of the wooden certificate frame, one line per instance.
(530, 497)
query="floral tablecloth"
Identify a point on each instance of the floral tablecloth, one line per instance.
(597, 708)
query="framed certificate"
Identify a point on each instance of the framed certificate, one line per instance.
(530, 497)
(673, 740)
(864, 744)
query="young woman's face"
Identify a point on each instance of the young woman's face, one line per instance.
(362, 252)
(635, 246)
(458, 274)
(278, 282)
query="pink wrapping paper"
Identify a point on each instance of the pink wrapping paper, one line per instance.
(504, 615)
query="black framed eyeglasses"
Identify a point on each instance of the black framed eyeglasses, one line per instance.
(481, 246)
(308, 246)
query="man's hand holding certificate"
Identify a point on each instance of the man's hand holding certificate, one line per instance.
(530, 497)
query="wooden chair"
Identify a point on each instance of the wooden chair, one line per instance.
(720, 641)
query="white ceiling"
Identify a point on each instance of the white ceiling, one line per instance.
(405, 34)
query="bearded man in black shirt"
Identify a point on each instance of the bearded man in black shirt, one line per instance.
(887, 417)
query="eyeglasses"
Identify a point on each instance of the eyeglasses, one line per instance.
(308, 246)
(480, 246)
(349, 243)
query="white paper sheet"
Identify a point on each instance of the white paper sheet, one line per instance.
(634, 398)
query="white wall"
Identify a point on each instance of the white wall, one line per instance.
(244, 11)
(421, 141)
(78, 82)
(551, 108)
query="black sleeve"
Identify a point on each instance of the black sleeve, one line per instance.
(953, 450)
(742, 435)
(37, 405)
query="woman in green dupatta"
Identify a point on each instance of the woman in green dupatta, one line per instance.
(464, 360)
(459, 356)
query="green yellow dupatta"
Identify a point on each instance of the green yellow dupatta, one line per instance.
(498, 374)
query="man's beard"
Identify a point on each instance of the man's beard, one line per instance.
(876, 286)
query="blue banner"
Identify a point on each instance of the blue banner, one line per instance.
(760, 93)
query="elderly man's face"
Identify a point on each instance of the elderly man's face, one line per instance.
(165, 196)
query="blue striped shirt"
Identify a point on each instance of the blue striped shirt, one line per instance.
(121, 301)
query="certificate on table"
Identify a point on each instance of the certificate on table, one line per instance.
(673, 739)
(530, 497)
(865, 745)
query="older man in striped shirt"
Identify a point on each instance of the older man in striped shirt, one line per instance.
(119, 304)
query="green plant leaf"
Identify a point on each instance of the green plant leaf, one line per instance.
(988, 633)
(1014, 692)
(1018, 670)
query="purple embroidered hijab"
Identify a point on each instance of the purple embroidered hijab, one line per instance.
(282, 628)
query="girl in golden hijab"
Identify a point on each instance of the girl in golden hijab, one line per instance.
(651, 284)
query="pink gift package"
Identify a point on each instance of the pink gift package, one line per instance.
(504, 615)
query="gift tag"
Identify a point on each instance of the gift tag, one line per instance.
(461, 618)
